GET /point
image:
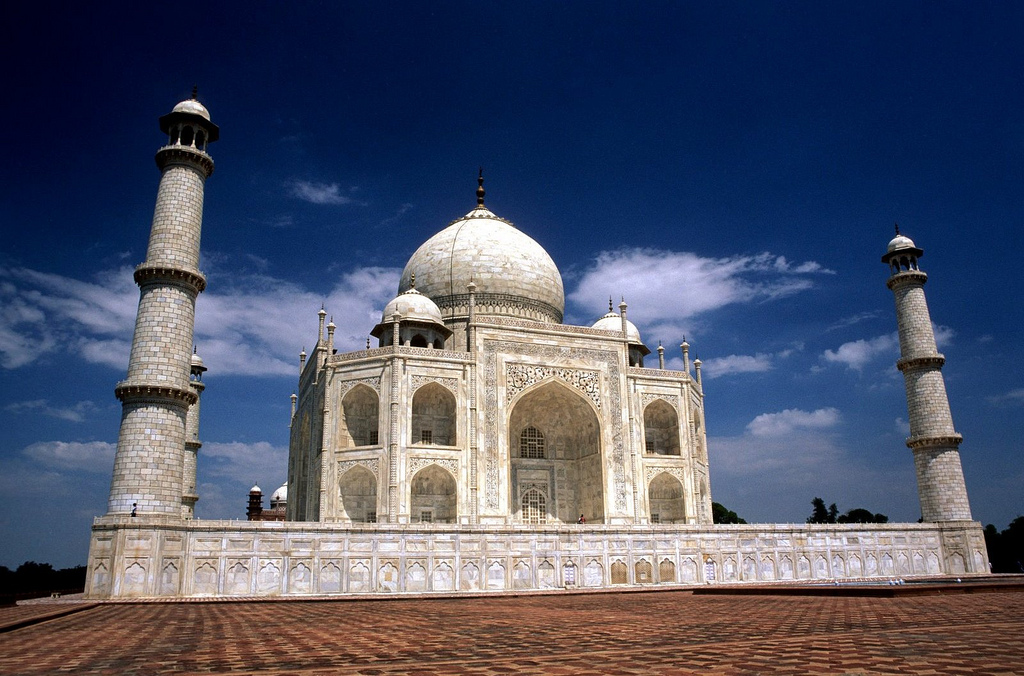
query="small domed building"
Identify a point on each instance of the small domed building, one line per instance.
(478, 405)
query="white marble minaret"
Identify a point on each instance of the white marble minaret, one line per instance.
(149, 466)
(936, 445)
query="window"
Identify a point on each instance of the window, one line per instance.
(650, 446)
(371, 517)
(426, 516)
(655, 517)
(426, 437)
(531, 443)
(534, 507)
(374, 440)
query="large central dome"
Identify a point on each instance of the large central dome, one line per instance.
(514, 276)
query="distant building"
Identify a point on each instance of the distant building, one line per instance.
(481, 444)
(278, 504)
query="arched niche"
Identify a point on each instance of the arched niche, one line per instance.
(665, 496)
(359, 420)
(570, 474)
(358, 489)
(433, 496)
(661, 428)
(433, 416)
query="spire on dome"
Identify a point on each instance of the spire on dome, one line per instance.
(480, 188)
(195, 92)
(897, 229)
(412, 281)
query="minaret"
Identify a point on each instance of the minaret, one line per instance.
(192, 443)
(936, 445)
(156, 395)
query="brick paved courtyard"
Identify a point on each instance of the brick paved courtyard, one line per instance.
(632, 633)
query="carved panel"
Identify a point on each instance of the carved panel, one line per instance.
(652, 472)
(372, 464)
(611, 360)
(450, 464)
(451, 383)
(647, 397)
(373, 381)
(520, 376)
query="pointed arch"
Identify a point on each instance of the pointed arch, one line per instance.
(661, 428)
(360, 417)
(358, 490)
(666, 499)
(433, 495)
(554, 437)
(433, 416)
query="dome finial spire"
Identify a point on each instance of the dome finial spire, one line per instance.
(412, 281)
(480, 188)
(195, 92)
(897, 229)
(610, 304)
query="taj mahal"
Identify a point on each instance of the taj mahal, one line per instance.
(477, 444)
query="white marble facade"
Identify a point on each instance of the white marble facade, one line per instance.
(462, 451)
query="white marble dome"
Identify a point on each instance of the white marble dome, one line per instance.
(513, 274)
(613, 322)
(192, 107)
(900, 242)
(279, 496)
(411, 304)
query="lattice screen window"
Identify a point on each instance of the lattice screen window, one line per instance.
(650, 446)
(535, 507)
(531, 443)
(371, 517)
(427, 516)
(426, 436)
(374, 439)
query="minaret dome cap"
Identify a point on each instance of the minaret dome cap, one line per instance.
(900, 242)
(187, 111)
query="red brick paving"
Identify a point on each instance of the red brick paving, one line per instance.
(651, 633)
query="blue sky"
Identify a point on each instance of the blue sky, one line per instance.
(732, 169)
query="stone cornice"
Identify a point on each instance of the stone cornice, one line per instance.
(940, 441)
(142, 392)
(914, 363)
(906, 278)
(190, 280)
(185, 155)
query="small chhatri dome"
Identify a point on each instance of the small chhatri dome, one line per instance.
(411, 304)
(192, 107)
(279, 496)
(900, 242)
(186, 111)
(513, 274)
(613, 322)
(255, 489)
(197, 361)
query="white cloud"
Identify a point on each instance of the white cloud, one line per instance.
(75, 413)
(89, 456)
(318, 193)
(902, 426)
(786, 422)
(737, 363)
(247, 324)
(667, 289)
(858, 353)
(246, 463)
(1011, 398)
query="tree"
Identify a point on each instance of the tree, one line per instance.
(822, 514)
(722, 514)
(1006, 549)
(861, 515)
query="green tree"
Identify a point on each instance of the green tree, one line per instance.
(822, 514)
(861, 515)
(722, 514)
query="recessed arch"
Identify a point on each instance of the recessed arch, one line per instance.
(661, 428)
(433, 416)
(666, 499)
(570, 472)
(358, 489)
(433, 496)
(360, 418)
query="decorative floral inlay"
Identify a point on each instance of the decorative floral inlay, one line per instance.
(520, 376)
